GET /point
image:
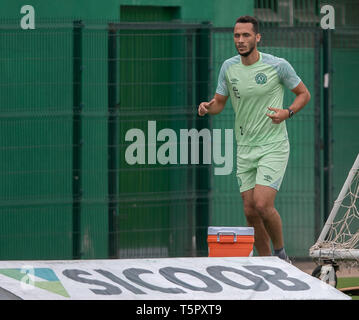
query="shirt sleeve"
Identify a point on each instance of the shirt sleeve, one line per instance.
(288, 75)
(222, 88)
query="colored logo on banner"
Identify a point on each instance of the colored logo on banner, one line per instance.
(44, 278)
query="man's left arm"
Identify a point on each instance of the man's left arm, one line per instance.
(301, 99)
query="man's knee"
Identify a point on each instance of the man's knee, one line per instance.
(263, 200)
(250, 213)
(264, 209)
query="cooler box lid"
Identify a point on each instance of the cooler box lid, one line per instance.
(239, 231)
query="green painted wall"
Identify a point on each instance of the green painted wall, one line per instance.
(36, 128)
(221, 12)
(345, 114)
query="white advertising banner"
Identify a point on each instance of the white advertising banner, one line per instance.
(237, 278)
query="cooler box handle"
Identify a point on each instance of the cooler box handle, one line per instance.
(226, 233)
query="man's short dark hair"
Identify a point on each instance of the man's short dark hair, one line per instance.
(249, 19)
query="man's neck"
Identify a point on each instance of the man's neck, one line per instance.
(252, 58)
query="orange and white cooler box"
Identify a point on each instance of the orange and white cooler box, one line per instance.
(230, 241)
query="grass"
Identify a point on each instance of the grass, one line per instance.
(346, 282)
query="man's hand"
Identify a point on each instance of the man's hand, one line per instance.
(204, 107)
(278, 116)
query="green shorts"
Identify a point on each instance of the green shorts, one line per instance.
(264, 165)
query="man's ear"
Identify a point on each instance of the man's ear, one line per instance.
(258, 37)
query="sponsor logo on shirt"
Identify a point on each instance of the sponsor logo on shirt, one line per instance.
(236, 92)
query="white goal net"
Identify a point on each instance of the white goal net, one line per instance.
(339, 239)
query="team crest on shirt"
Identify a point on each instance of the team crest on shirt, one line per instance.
(261, 78)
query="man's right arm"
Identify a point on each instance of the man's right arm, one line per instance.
(215, 106)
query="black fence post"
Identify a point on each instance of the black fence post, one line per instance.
(191, 188)
(113, 144)
(203, 172)
(327, 119)
(77, 139)
(318, 37)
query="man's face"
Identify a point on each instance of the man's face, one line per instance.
(245, 39)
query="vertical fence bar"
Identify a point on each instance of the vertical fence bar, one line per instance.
(190, 119)
(327, 119)
(317, 133)
(210, 120)
(203, 172)
(112, 142)
(77, 139)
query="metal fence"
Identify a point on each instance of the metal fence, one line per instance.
(75, 98)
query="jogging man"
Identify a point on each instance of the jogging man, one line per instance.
(255, 83)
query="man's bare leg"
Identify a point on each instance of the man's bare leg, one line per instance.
(264, 197)
(261, 237)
